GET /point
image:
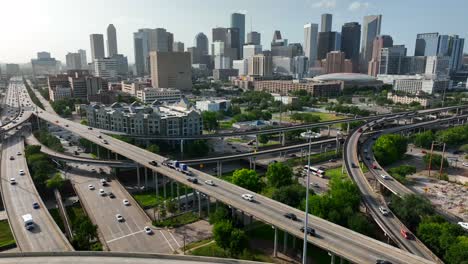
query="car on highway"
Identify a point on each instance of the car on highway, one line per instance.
(103, 182)
(193, 180)
(21, 172)
(89, 128)
(382, 261)
(119, 217)
(464, 225)
(354, 165)
(99, 136)
(18, 153)
(247, 196)
(290, 216)
(385, 177)
(12, 158)
(314, 184)
(111, 195)
(153, 163)
(125, 202)
(360, 130)
(310, 230)
(90, 187)
(383, 210)
(406, 234)
(148, 230)
(374, 166)
(12, 181)
(35, 205)
(66, 125)
(465, 164)
(105, 142)
(210, 182)
(102, 192)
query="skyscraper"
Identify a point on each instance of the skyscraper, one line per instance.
(73, 61)
(232, 41)
(456, 46)
(326, 24)
(111, 41)
(141, 51)
(350, 42)
(253, 38)
(201, 42)
(83, 59)
(97, 46)
(378, 44)
(310, 42)
(392, 60)
(219, 34)
(327, 41)
(170, 41)
(426, 44)
(171, 70)
(371, 29)
(178, 47)
(238, 21)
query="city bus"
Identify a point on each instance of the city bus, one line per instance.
(314, 171)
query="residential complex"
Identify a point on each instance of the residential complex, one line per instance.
(316, 89)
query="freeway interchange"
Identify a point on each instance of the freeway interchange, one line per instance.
(350, 245)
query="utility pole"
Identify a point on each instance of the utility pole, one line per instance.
(442, 162)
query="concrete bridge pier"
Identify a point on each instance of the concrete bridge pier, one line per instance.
(328, 131)
(275, 242)
(285, 242)
(138, 176)
(155, 179)
(332, 257)
(347, 127)
(164, 186)
(178, 196)
(98, 154)
(256, 141)
(219, 168)
(108, 154)
(283, 139)
(146, 177)
(208, 204)
(182, 148)
(199, 204)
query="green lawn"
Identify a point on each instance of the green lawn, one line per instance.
(6, 237)
(75, 212)
(176, 221)
(148, 199)
(54, 212)
(198, 243)
(323, 116)
(212, 250)
(226, 124)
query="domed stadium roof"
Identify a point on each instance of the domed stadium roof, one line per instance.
(350, 77)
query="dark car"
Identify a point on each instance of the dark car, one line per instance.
(12, 158)
(354, 165)
(89, 128)
(154, 163)
(382, 261)
(111, 195)
(192, 180)
(310, 231)
(291, 216)
(35, 205)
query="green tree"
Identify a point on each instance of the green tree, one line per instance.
(85, 232)
(279, 174)
(197, 148)
(222, 234)
(435, 161)
(263, 139)
(238, 242)
(153, 148)
(210, 122)
(458, 251)
(247, 179)
(32, 149)
(360, 224)
(424, 139)
(56, 182)
(411, 209)
(291, 195)
(464, 148)
(390, 148)
(220, 214)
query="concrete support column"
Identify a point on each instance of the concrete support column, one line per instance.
(178, 196)
(253, 159)
(108, 154)
(251, 219)
(182, 147)
(222, 145)
(283, 139)
(208, 205)
(275, 243)
(233, 212)
(156, 182)
(256, 141)
(220, 168)
(332, 258)
(146, 177)
(285, 242)
(199, 204)
(172, 187)
(116, 156)
(138, 176)
(328, 131)
(98, 154)
(186, 198)
(347, 128)
(164, 187)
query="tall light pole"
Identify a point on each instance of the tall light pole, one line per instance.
(306, 218)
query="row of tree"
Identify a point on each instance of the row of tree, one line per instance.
(354, 110)
(49, 140)
(453, 137)
(390, 148)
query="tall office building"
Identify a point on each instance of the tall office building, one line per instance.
(219, 34)
(277, 39)
(438, 66)
(326, 25)
(427, 44)
(371, 29)
(111, 41)
(260, 65)
(252, 50)
(254, 38)
(456, 46)
(310, 42)
(97, 46)
(171, 70)
(170, 41)
(335, 62)
(232, 41)
(350, 42)
(391, 60)
(73, 61)
(327, 41)
(238, 21)
(105, 68)
(83, 59)
(378, 44)
(201, 42)
(178, 47)
(146, 40)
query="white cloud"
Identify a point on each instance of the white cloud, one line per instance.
(324, 4)
(357, 6)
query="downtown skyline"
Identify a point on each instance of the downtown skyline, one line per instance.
(68, 35)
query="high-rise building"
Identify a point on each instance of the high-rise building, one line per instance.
(327, 41)
(97, 46)
(392, 60)
(326, 25)
(371, 29)
(43, 55)
(170, 41)
(251, 50)
(122, 64)
(111, 41)
(219, 34)
(277, 39)
(171, 70)
(380, 42)
(260, 65)
(178, 47)
(146, 40)
(201, 42)
(438, 66)
(73, 61)
(44, 64)
(335, 62)
(254, 38)
(83, 59)
(12, 69)
(106, 68)
(301, 67)
(350, 42)
(238, 21)
(427, 44)
(159, 40)
(242, 66)
(310, 42)
(455, 51)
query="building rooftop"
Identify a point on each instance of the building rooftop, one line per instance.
(345, 77)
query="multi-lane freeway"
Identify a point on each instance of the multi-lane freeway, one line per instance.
(341, 241)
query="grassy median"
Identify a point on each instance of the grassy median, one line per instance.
(6, 237)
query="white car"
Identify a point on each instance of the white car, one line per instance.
(119, 217)
(102, 192)
(248, 197)
(314, 184)
(465, 164)
(103, 182)
(210, 182)
(385, 177)
(125, 202)
(148, 230)
(21, 172)
(463, 224)
(90, 187)
(383, 210)
(12, 181)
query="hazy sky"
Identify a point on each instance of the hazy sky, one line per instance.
(60, 26)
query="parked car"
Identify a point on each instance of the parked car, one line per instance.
(148, 230)
(35, 205)
(119, 217)
(125, 202)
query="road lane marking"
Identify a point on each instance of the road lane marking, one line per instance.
(170, 233)
(134, 233)
(167, 240)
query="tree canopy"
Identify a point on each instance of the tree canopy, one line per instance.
(246, 178)
(279, 174)
(389, 148)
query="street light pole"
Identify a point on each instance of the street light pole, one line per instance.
(306, 218)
